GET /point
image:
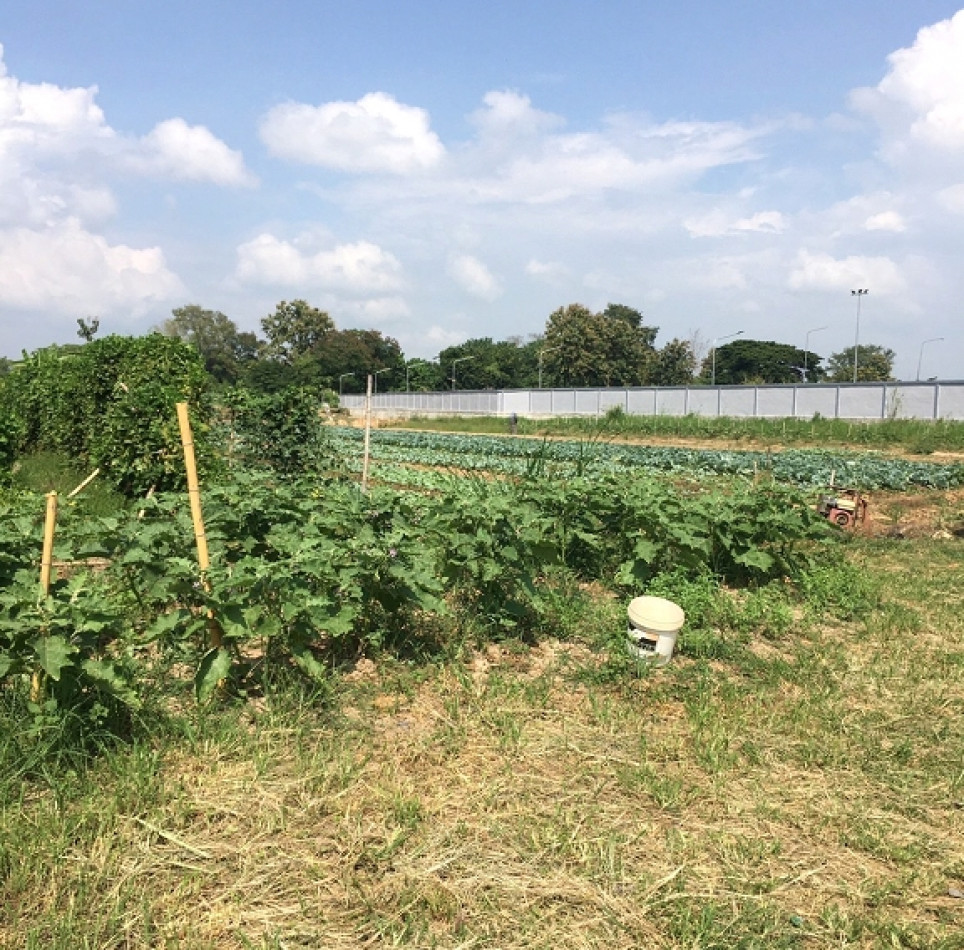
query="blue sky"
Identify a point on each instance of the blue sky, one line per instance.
(441, 171)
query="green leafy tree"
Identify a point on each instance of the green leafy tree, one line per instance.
(874, 364)
(226, 351)
(87, 330)
(359, 352)
(759, 361)
(673, 365)
(488, 364)
(583, 348)
(294, 330)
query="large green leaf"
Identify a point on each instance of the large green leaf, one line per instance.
(53, 654)
(214, 667)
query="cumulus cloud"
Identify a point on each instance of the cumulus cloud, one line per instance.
(920, 101)
(474, 277)
(374, 134)
(360, 268)
(66, 268)
(57, 156)
(174, 149)
(823, 272)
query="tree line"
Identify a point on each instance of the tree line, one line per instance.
(300, 346)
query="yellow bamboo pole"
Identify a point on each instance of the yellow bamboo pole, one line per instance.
(50, 524)
(46, 563)
(85, 483)
(194, 494)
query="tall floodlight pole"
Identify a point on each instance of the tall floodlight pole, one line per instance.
(461, 359)
(716, 340)
(542, 352)
(920, 358)
(858, 294)
(384, 369)
(340, 378)
(806, 349)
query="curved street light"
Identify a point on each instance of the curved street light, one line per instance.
(859, 294)
(408, 388)
(455, 362)
(542, 352)
(920, 358)
(340, 378)
(716, 340)
(384, 369)
(806, 349)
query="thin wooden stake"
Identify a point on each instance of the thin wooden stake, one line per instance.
(46, 563)
(85, 483)
(194, 494)
(368, 436)
(50, 524)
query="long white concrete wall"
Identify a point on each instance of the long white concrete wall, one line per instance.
(857, 401)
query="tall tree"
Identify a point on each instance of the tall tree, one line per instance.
(759, 361)
(224, 349)
(874, 364)
(583, 348)
(358, 352)
(673, 365)
(294, 330)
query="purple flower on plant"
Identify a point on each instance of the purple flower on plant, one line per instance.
(392, 552)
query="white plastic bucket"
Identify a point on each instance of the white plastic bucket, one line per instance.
(654, 623)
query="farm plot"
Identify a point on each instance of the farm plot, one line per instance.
(421, 726)
(518, 456)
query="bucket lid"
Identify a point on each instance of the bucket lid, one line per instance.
(656, 614)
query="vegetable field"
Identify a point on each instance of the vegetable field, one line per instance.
(407, 717)
(518, 456)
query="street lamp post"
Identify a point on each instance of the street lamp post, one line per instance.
(455, 362)
(858, 294)
(408, 388)
(920, 358)
(340, 378)
(384, 369)
(806, 349)
(716, 340)
(542, 352)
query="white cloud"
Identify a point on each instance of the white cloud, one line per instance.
(474, 277)
(823, 272)
(174, 149)
(66, 268)
(920, 102)
(551, 271)
(952, 198)
(374, 134)
(886, 221)
(718, 224)
(360, 268)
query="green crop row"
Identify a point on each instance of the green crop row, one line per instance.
(504, 455)
(303, 572)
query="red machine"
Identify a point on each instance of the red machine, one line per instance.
(845, 507)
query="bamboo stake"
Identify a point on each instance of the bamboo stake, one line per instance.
(46, 562)
(85, 483)
(50, 524)
(194, 494)
(368, 436)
